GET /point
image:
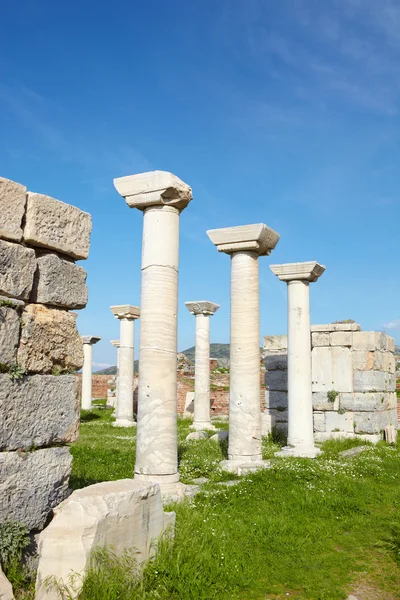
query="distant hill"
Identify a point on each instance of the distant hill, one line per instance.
(109, 371)
(216, 351)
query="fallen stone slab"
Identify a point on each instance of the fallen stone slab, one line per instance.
(200, 480)
(37, 411)
(32, 484)
(17, 267)
(50, 342)
(197, 435)
(9, 334)
(353, 451)
(220, 436)
(12, 209)
(59, 282)
(122, 515)
(6, 591)
(58, 226)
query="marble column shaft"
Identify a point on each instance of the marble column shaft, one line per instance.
(87, 377)
(124, 411)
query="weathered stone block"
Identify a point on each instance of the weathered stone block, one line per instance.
(120, 515)
(319, 421)
(320, 339)
(12, 209)
(38, 411)
(322, 436)
(9, 334)
(279, 415)
(274, 399)
(389, 362)
(6, 591)
(363, 360)
(391, 400)
(321, 401)
(328, 328)
(367, 422)
(275, 342)
(276, 361)
(341, 338)
(390, 343)
(364, 401)
(58, 226)
(49, 341)
(32, 483)
(59, 282)
(340, 422)
(276, 380)
(369, 341)
(17, 267)
(389, 418)
(374, 381)
(332, 369)
(379, 360)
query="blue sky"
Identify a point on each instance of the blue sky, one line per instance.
(284, 113)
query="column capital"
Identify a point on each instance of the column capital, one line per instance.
(300, 271)
(115, 343)
(125, 311)
(253, 238)
(90, 339)
(155, 188)
(202, 307)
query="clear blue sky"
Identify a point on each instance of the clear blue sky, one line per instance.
(285, 113)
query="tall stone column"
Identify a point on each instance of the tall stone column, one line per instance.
(127, 315)
(202, 310)
(116, 345)
(87, 341)
(245, 244)
(161, 196)
(300, 407)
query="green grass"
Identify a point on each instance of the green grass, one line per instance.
(304, 529)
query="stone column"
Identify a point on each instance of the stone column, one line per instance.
(161, 196)
(116, 345)
(126, 315)
(87, 341)
(202, 310)
(245, 244)
(300, 407)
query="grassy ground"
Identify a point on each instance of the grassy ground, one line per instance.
(305, 529)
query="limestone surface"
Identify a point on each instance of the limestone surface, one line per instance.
(39, 410)
(9, 334)
(32, 483)
(59, 282)
(6, 591)
(304, 271)
(57, 225)
(49, 342)
(121, 515)
(253, 238)
(17, 268)
(12, 208)
(154, 188)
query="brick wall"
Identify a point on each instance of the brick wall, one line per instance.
(99, 385)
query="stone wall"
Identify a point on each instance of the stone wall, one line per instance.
(40, 348)
(353, 382)
(100, 385)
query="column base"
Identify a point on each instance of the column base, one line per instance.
(124, 423)
(172, 490)
(299, 451)
(243, 467)
(203, 426)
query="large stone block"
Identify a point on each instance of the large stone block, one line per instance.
(6, 591)
(38, 411)
(374, 381)
(332, 369)
(12, 209)
(121, 515)
(17, 267)
(321, 401)
(275, 399)
(9, 334)
(319, 421)
(50, 342)
(341, 338)
(276, 380)
(364, 401)
(369, 341)
(390, 343)
(344, 326)
(320, 339)
(389, 418)
(339, 422)
(363, 360)
(367, 422)
(32, 484)
(276, 361)
(275, 342)
(58, 226)
(59, 282)
(389, 362)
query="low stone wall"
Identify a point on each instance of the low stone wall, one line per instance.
(100, 385)
(353, 381)
(40, 348)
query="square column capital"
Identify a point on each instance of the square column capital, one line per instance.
(202, 307)
(90, 339)
(300, 271)
(254, 238)
(125, 311)
(115, 343)
(154, 188)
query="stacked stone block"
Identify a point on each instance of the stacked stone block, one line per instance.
(40, 348)
(353, 382)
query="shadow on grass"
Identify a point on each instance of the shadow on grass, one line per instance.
(77, 483)
(88, 415)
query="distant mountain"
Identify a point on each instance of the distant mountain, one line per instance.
(220, 351)
(109, 371)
